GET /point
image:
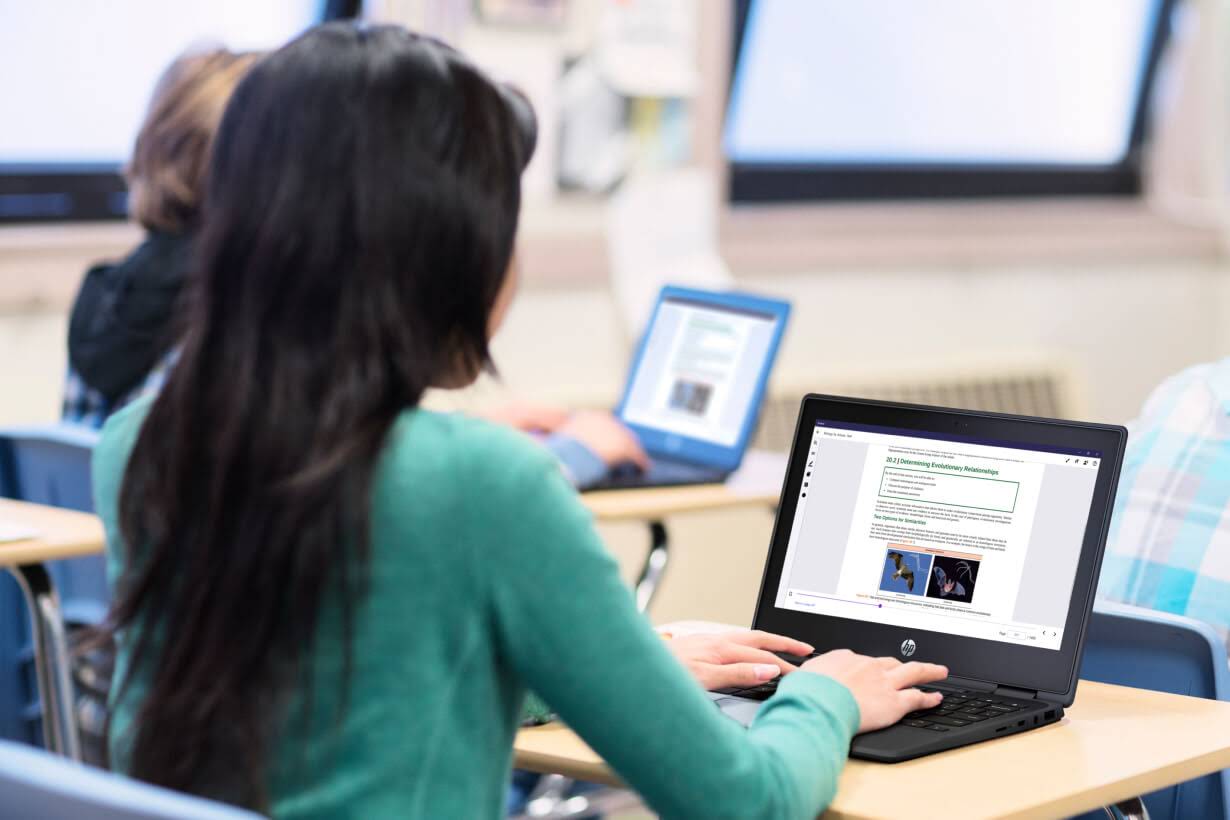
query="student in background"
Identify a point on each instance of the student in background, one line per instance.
(332, 602)
(120, 337)
(1169, 545)
(122, 333)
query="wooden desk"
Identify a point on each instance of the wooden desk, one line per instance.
(659, 502)
(756, 483)
(1114, 743)
(58, 534)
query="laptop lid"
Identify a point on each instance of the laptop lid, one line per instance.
(698, 378)
(963, 538)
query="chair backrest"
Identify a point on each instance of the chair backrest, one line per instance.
(1154, 650)
(38, 784)
(46, 465)
(51, 465)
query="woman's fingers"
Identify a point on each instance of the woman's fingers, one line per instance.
(738, 653)
(915, 673)
(914, 700)
(723, 676)
(772, 642)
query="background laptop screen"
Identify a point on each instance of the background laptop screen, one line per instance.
(697, 374)
(946, 533)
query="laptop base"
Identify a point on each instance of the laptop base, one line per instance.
(662, 473)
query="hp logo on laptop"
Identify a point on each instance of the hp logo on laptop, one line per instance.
(908, 647)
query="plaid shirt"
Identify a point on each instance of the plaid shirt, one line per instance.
(1169, 546)
(86, 406)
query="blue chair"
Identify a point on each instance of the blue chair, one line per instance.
(47, 465)
(1131, 646)
(38, 784)
(51, 465)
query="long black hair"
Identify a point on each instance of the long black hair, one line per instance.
(358, 227)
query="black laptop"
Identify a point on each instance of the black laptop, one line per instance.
(963, 538)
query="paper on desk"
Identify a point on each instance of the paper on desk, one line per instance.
(760, 473)
(12, 531)
(662, 229)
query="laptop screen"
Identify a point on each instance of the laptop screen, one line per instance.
(698, 372)
(947, 533)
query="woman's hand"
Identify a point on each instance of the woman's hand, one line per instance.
(882, 687)
(606, 436)
(731, 659)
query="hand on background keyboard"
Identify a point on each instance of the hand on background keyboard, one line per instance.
(734, 659)
(882, 687)
(607, 437)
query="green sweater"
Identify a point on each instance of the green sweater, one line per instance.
(488, 580)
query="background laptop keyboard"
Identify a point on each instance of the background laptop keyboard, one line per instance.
(662, 473)
(958, 709)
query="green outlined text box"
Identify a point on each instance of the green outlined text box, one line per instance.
(992, 498)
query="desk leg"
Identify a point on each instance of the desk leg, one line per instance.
(51, 660)
(655, 565)
(1131, 809)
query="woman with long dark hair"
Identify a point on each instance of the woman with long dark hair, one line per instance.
(331, 602)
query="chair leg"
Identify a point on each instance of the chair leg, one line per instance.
(1131, 809)
(655, 565)
(550, 800)
(51, 660)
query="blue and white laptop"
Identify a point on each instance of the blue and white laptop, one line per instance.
(696, 384)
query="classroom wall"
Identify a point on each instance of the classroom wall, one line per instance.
(1123, 326)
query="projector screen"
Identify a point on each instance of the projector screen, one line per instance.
(78, 75)
(923, 90)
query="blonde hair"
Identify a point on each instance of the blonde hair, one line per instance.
(166, 174)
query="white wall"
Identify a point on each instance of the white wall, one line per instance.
(32, 355)
(1124, 327)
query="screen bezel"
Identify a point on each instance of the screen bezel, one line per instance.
(1050, 672)
(662, 443)
(753, 182)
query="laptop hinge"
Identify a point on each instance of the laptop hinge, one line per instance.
(1013, 692)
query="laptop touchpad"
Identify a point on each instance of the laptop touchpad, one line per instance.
(736, 708)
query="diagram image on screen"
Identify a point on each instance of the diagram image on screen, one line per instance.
(953, 579)
(905, 572)
(691, 397)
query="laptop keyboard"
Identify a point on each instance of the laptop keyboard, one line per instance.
(960, 707)
(662, 474)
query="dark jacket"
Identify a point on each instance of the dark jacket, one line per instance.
(122, 321)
